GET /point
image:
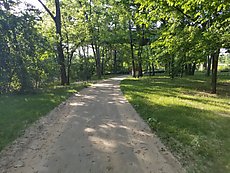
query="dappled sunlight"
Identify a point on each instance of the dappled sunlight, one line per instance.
(142, 133)
(104, 126)
(103, 144)
(88, 97)
(102, 85)
(77, 104)
(119, 78)
(111, 125)
(107, 125)
(123, 101)
(114, 94)
(90, 130)
(77, 95)
(185, 114)
(124, 127)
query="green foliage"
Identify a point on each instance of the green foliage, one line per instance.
(188, 30)
(21, 47)
(193, 124)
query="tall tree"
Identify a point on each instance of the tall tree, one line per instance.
(58, 25)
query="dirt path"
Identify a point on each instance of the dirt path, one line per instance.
(95, 131)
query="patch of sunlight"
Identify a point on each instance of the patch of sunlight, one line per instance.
(104, 126)
(103, 144)
(122, 101)
(77, 104)
(52, 100)
(142, 133)
(111, 125)
(118, 78)
(102, 85)
(114, 94)
(124, 127)
(88, 97)
(71, 91)
(89, 130)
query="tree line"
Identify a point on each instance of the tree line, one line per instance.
(75, 39)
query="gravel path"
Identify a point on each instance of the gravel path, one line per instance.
(95, 131)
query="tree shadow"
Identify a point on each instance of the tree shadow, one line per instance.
(199, 137)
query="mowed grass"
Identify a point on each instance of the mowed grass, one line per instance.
(191, 122)
(18, 111)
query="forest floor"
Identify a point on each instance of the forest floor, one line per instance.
(96, 130)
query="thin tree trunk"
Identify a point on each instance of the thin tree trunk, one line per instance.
(85, 63)
(115, 62)
(193, 69)
(70, 57)
(214, 70)
(132, 50)
(98, 61)
(150, 70)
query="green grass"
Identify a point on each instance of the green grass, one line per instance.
(18, 111)
(191, 122)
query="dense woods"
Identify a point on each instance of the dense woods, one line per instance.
(74, 40)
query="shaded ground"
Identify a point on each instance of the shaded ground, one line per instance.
(96, 131)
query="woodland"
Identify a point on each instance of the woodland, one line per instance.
(74, 40)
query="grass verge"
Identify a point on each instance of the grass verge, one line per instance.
(18, 111)
(192, 123)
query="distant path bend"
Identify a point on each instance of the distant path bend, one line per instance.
(95, 131)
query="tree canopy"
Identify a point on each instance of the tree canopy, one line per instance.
(74, 40)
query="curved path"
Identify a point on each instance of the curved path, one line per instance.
(95, 131)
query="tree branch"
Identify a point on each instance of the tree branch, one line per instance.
(186, 15)
(47, 10)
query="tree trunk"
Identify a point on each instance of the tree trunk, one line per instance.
(115, 62)
(132, 50)
(96, 52)
(153, 69)
(57, 21)
(193, 69)
(61, 57)
(98, 62)
(70, 57)
(214, 70)
(85, 64)
(150, 70)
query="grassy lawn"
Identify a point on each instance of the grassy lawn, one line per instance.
(18, 111)
(192, 123)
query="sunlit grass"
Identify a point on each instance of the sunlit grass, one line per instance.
(18, 111)
(193, 124)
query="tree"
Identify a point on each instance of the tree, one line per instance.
(58, 25)
(203, 25)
